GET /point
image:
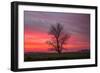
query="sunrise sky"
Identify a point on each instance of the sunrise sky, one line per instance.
(37, 24)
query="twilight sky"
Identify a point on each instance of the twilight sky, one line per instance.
(37, 24)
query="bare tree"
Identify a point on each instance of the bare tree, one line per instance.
(58, 37)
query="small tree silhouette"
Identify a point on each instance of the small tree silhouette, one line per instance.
(58, 38)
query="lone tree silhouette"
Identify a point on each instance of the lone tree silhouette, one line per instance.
(58, 38)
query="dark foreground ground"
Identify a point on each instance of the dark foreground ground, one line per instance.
(55, 56)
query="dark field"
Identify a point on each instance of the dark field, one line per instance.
(55, 56)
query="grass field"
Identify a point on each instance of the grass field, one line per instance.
(55, 56)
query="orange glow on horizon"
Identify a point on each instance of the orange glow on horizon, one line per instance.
(35, 41)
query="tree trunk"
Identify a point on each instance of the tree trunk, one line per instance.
(59, 51)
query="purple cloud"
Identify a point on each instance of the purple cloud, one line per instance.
(74, 23)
